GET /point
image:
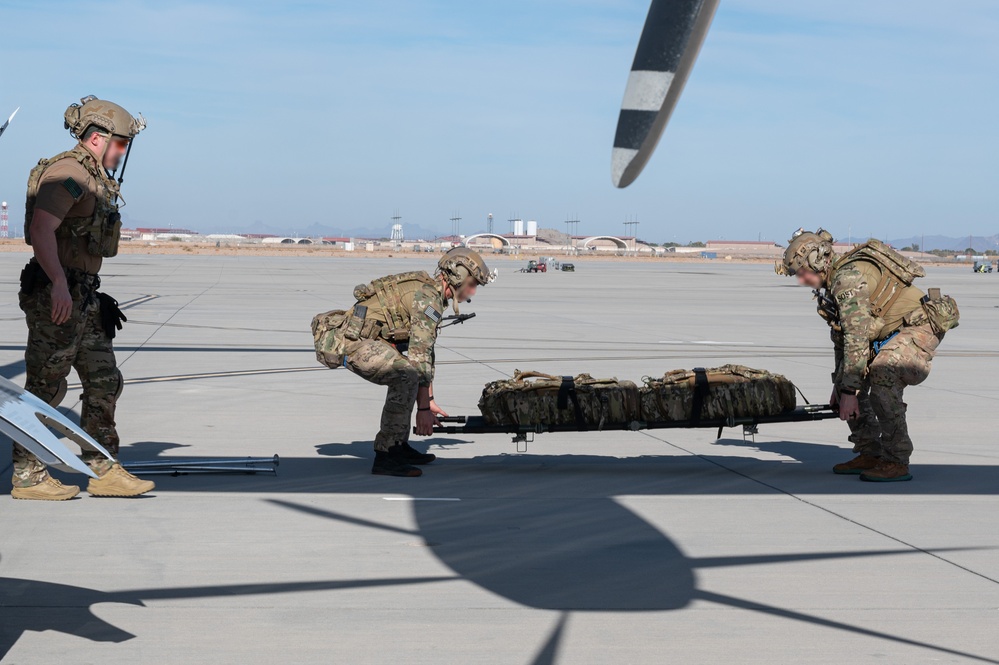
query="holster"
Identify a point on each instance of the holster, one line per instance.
(32, 277)
(111, 315)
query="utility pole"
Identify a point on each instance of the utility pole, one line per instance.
(571, 228)
(489, 223)
(456, 226)
(633, 223)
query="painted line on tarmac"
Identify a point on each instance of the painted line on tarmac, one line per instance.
(707, 342)
(417, 498)
(134, 302)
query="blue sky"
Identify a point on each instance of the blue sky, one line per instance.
(875, 118)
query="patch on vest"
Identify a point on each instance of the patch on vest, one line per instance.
(74, 189)
(433, 313)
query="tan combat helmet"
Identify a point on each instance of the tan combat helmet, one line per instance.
(110, 117)
(812, 251)
(460, 263)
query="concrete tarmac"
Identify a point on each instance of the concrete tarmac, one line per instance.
(623, 547)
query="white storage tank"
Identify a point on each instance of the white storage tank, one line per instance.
(532, 227)
(518, 227)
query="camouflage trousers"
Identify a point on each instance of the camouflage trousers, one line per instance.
(380, 363)
(81, 344)
(881, 430)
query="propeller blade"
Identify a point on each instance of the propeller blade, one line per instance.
(671, 39)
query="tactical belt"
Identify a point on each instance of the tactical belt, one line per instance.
(34, 277)
(567, 392)
(881, 343)
(701, 388)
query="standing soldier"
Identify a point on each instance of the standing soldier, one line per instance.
(885, 333)
(72, 224)
(393, 315)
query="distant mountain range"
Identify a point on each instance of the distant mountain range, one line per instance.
(978, 243)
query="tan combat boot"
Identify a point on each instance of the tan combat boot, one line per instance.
(49, 489)
(119, 482)
(887, 472)
(858, 464)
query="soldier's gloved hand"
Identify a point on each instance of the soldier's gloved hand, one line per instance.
(849, 407)
(425, 422)
(436, 410)
(62, 304)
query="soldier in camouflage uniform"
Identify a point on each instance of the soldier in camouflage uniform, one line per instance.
(396, 314)
(883, 339)
(72, 223)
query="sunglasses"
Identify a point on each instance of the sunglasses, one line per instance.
(120, 141)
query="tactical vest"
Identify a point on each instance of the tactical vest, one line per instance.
(384, 296)
(897, 273)
(102, 230)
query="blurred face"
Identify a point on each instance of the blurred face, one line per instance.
(806, 277)
(117, 146)
(467, 290)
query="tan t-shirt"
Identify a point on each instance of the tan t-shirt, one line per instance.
(67, 190)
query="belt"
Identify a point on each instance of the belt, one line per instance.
(880, 344)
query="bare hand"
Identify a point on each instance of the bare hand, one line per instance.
(849, 407)
(62, 304)
(425, 423)
(436, 410)
(834, 398)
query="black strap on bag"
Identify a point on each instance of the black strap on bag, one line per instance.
(111, 315)
(567, 393)
(700, 392)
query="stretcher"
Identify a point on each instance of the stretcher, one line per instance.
(525, 433)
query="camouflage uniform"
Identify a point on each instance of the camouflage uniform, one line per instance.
(879, 380)
(73, 188)
(417, 305)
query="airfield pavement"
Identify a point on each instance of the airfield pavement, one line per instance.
(614, 547)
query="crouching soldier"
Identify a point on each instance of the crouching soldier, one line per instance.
(885, 332)
(397, 315)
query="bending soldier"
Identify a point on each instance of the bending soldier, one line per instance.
(397, 314)
(72, 224)
(885, 333)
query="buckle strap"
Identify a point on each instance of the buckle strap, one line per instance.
(700, 392)
(567, 393)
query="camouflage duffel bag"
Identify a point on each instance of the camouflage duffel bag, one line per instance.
(715, 394)
(532, 398)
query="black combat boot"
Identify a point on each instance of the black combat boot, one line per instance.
(391, 463)
(410, 454)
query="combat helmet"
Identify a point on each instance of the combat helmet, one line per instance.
(812, 251)
(460, 263)
(110, 117)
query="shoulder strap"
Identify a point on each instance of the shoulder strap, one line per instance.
(386, 290)
(897, 272)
